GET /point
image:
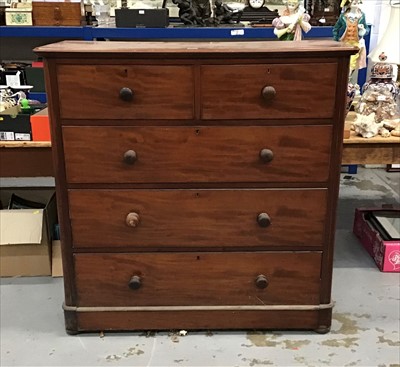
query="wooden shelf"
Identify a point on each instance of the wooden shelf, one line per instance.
(25, 144)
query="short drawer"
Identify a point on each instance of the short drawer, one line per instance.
(126, 92)
(198, 218)
(185, 279)
(197, 154)
(268, 91)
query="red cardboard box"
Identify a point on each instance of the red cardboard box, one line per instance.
(40, 126)
(385, 253)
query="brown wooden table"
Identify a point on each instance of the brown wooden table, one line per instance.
(26, 159)
(376, 150)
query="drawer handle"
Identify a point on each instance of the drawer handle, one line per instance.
(266, 155)
(126, 94)
(262, 281)
(263, 220)
(135, 282)
(132, 220)
(268, 93)
(130, 157)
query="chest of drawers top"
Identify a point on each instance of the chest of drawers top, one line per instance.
(275, 49)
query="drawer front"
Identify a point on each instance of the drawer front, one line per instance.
(301, 91)
(190, 154)
(203, 218)
(96, 92)
(184, 279)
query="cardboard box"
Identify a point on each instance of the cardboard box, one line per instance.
(18, 126)
(15, 126)
(19, 16)
(386, 254)
(25, 240)
(40, 126)
(56, 262)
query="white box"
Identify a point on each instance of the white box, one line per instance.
(19, 16)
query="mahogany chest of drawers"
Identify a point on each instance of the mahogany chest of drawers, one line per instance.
(197, 182)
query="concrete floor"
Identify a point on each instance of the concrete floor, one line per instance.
(365, 330)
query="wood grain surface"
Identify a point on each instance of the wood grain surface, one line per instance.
(234, 91)
(206, 218)
(159, 92)
(197, 154)
(198, 279)
(25, 160)
(159, 49)
(56, 14)
(200, 320)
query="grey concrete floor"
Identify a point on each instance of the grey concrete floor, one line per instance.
(365, 329)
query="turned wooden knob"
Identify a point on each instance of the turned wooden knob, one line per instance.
(263, 220)
(268, 93)
(266, 155)
(126, 94)
(132, 220)
(261, 281)
(136, 282)
(130, 157)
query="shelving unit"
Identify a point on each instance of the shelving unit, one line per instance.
(90, 33)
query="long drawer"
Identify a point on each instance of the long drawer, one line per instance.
(126, 91)
(182, 279)
(197, 154)
(203, 218)
(268, 91)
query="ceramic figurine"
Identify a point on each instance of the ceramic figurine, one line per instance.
(379, 100)
(350, 28)
(382, 75)
(293, 21)
(352, 91)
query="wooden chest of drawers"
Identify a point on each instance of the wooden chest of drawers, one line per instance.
(197, 182)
